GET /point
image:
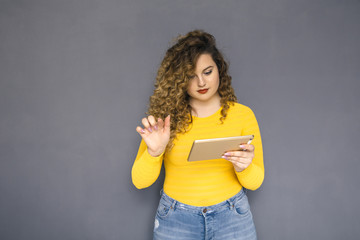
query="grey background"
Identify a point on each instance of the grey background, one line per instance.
(75, 78)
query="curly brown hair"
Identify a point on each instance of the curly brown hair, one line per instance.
(170, 95)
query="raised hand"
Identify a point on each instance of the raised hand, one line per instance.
(241, 159)
(156, 134)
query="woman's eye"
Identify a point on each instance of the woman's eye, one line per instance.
(208, 72)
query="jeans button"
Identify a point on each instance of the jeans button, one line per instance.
(204, 210)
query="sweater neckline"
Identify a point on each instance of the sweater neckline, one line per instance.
(215, 114)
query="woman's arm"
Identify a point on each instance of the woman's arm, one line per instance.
(249, 164)
(146, 168)
(155, 137)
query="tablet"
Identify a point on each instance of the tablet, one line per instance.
(206, 149)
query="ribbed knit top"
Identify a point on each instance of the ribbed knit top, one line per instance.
(203, 183)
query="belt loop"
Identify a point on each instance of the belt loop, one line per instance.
(173, 205)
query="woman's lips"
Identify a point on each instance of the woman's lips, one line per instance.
(203, 91)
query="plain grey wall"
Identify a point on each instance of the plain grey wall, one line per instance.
(75, 78)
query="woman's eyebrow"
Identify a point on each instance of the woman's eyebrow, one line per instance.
(208, 68)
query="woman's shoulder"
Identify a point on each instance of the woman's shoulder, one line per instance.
(238, 107)
(240, 112)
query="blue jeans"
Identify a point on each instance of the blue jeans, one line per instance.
(231, 219)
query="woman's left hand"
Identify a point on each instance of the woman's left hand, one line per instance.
(241, 159)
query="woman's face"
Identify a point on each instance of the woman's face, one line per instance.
(203, 86)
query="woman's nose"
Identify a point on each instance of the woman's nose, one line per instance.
(201, 82)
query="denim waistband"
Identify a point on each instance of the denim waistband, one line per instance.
(217, 207)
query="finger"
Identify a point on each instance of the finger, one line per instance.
(160, 123)
(140, 130)
(152, 120)
(242, 154)
(238, 159)
(239, 164)
(236, 154)
(247, 147)
(145, 123)
(153, 123)
(167, 123)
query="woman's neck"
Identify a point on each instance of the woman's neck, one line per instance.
(205, 108)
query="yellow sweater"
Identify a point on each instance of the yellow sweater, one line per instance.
(203, 183)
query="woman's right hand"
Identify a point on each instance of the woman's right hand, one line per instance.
(156, 134)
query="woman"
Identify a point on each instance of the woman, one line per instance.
(193, 99)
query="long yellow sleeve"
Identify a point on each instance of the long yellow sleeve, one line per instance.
(253, 176)
(146, 168)
(204, 183)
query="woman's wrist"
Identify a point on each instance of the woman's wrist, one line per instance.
(155, 153)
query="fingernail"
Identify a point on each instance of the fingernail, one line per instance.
(156, 127)
(150, 129)
(142, 131)
(242, 146)
(224, 157)
(227, 154)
